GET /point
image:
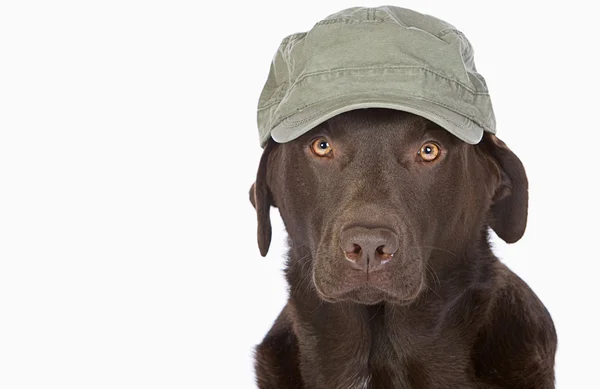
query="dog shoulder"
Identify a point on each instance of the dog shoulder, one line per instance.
(276, 357)
(516, 345)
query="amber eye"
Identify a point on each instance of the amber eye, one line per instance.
(429, 151)
(321, 147)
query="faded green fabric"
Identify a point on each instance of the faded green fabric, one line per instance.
(386, 57)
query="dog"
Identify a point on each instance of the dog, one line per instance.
(393, 283)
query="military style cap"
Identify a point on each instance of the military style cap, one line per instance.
(384, 57)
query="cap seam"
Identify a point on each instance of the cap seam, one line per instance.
(291, 36)
(470, 117)
(364, 68)
(274, 99)
(294, 123)
(348, 21)
(448, 31)
(391, 102)
(337, 70)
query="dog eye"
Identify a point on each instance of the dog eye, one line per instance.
(321, 147)
(429, 151)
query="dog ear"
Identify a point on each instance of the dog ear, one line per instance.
(508, 212)
(261, 199)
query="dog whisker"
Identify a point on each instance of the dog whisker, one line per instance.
(415, 247)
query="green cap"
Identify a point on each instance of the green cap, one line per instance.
(384, 57)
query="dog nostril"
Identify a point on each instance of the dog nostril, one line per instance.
(381, 253)
(354, 255)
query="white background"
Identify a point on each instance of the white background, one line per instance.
(128, 143)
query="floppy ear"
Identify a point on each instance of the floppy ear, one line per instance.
(508, 213)
(260, 197)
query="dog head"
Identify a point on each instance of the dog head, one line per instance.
(373, 194)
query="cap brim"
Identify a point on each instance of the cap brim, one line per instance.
(303, 120)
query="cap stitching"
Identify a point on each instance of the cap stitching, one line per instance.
(292, 36)
(435, 114)
(468, 116)
(339, 70)
(336, 70)
(274, 99)
(348, 21)
(448, 31)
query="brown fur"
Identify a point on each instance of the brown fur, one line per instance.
(444, 312)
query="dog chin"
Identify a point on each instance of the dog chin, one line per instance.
(368, 295)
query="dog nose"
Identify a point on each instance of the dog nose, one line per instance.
(368, 249)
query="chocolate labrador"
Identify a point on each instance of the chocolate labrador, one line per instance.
(393, 283)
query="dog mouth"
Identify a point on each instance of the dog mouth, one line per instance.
(370, 288)
(369, 295)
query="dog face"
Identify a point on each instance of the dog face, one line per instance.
(373, 194)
